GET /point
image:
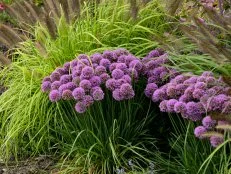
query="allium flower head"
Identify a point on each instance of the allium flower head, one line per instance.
(71, 86)
(191, 80)
(199, 131)
(65, 79)
(158, 95)
(110, 55)
(66, 66)
(153, 79)
(73, 63)
(82, 56)
(163, 106)
(105, 62)
(207, 73)
(170, 105)
(100, 70)
(200, 85)
(150, 89)
(111, 84)
(184, 98)
(171, 90)
(227, 107)
(104, 77)
(208, 122)
(179, 79)
(117, 95)
(55, 85)
(180, 107)
(95, 81)
(216, 103)
(121, 51)
(76, 80)
(85, 84)
(46, 79)
(129, 58)
(198, 93)
(201, 79)
(117, 74)
(164, 75)
(61, 71)
(136, 64)
(88, 100)
(55, 76)
(122, 66)
(96, 58)
(80, 107)
(154, 53)
(126, 91)
(67, 95)
(87, 72)
(195, 111)
(54, 96)
(84, 62)
(98, 94)
(133, 73)
(46, 86)
(127, 78)
(216, 140)
(122, 59)
(78, 93)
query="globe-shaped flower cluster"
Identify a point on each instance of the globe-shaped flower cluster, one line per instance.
(84, 78)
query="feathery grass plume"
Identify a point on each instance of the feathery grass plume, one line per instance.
(173, 6)
(134, 8)
(4, 60)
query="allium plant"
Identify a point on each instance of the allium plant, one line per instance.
(85, 78)
(193, 97)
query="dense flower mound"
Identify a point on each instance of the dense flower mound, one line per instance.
(84, 78)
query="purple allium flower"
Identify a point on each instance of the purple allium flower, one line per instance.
(110, 55)
(71, 86)
(201, 79)
(61, 71)
(62, 88)
(150, 89)
(121, 51)
(66, 66)
(55, 85)
(73, 63)
(113, 66)
(67, 95)
(95, 81)
(111, 84)
(216, 103)
(84, 62)
(80, 107)
(117, 95)
(83, 56)
(180, 107)
(170, 105)
(127, 78)
(94, 65)
(199, 131)
(122, 66)
(189, 92)
(55, 76)
(153, 53)
(46, 86)
(216, 140)
(195, 111)
(85, 84)
(117, 74)
(207, 73)
(184, 98)
(227, 107)
(96, 58)
(191, 80)
(104, 77)
(208, 122)
(65, 79)
(154, 79)
(100, 70)
(158, 95)
(88, 100)
(126, 91)
(136, 64)
(129, 58)
(87, 72)
(122, 58)
(163, 106)
(78, 93)
(45, 79)
(98, 94)
(54, 96)
(163, 59)
(171, 90)
(157, 71)
(210, 80)
(151, 65)
(198, 93)
(180, 79)
(211, 92)
(200, 85)
(105, 62)
(180, 89)
(121, 81)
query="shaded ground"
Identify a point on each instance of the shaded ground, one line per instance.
(40, 165)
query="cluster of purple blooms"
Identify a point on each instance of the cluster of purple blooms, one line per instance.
(193, 97)
(83, 78)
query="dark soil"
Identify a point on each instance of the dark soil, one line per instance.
(39, 165)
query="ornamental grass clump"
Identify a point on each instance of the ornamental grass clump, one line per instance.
(85, 79)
